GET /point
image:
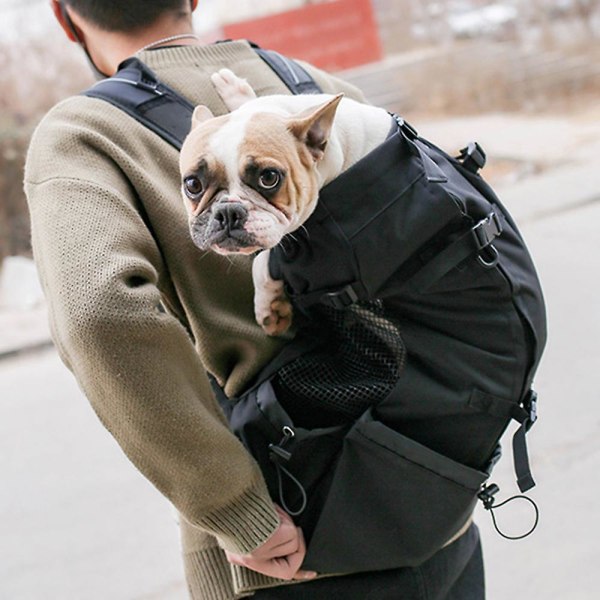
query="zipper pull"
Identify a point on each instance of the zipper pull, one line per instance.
(277, 450)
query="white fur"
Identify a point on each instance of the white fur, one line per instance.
(357, 129)
(226, 142)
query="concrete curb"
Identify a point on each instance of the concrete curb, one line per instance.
(23, 331)
(26, 349)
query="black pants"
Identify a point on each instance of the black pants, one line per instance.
(454, 573)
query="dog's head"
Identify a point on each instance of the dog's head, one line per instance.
(250, 177)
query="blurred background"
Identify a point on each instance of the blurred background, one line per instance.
(458, 57)
(522, 77)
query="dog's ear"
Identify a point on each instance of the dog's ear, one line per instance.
(201, 113)
(313, 126)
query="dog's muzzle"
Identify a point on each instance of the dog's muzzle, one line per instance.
(223, 228)
(230, 217)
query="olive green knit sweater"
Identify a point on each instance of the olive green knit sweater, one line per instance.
(139, 314)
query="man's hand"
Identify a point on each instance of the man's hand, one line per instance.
(281, 555)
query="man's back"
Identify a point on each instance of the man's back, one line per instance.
(139, 313)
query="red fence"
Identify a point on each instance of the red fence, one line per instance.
(335, 34)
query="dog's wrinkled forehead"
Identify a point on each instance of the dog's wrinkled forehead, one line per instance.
(228, 143)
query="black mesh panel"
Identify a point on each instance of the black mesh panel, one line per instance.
(355, 367)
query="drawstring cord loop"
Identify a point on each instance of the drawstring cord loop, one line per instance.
(278, 453)
(293, 513)
(486, 495)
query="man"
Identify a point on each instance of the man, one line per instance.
(139, 314)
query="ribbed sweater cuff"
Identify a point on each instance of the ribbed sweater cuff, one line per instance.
(245, 524)
(246, 581)
(210, 577)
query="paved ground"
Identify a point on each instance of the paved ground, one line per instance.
(78, 522)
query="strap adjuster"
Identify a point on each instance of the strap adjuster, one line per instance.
(473, 157)
(526, 412)
(149, 86)
(487, 230)
(341, 299)
(530, 406)
(406, 128)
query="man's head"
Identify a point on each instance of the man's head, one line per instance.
(130, 16)
(111, 31)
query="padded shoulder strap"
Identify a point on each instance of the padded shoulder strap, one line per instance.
(136, 90)
(290, 72)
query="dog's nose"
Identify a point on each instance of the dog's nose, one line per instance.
(230, 216)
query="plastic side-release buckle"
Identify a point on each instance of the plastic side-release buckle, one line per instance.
(473, 157)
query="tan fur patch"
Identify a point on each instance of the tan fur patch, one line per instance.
(269, 142)
(197, 142)
(195, 153)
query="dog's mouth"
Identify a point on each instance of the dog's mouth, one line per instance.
(224, 230)
(234, 243)
(233, 227)
(223, 241)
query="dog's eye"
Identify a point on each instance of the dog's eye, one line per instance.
(193, 187)
(269, 179)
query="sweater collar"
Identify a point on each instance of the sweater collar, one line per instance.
(171, 56)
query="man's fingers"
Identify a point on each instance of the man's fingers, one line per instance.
(280, 568)
(304, 575)
(284, 516)
(283, 566)
(283, 542)
(291, 563)
(279, 551)
(235, 559)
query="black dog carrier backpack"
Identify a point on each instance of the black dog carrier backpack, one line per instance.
(420, 324)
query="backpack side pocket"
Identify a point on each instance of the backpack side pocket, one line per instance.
(392, 502)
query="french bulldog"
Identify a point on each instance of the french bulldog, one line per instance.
(252, 176)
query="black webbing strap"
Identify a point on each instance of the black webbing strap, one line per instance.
(527, 416)
(290, 72)
(477, 240)
(136, 90)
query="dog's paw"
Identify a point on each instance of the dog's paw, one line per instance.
(234, 90)
(278, 319)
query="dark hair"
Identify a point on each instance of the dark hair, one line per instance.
(126, 16)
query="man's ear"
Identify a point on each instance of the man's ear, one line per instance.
(60, 12)
(313, 126)
(201, 113)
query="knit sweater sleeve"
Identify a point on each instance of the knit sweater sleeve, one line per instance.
(102, 274)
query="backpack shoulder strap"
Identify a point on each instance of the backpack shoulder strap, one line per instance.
(290, 72)
(136, 90)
